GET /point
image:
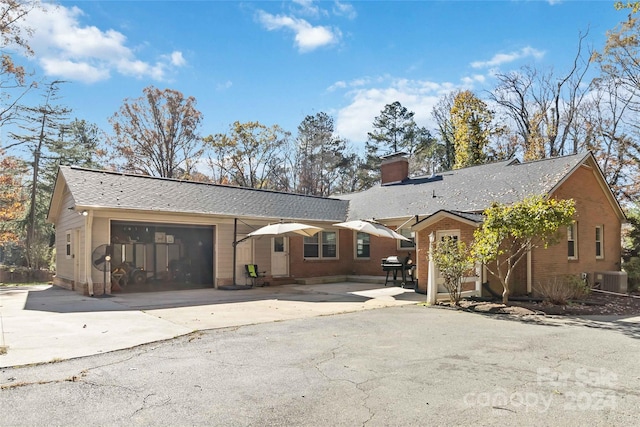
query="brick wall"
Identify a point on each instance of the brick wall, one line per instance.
(592, 209)
(347, 264)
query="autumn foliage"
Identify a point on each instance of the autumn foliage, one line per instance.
(12, 198)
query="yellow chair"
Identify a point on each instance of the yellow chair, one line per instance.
(257, 277)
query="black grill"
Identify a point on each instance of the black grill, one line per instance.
(392, 264)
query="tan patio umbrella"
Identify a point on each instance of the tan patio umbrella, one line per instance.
(286, 228)
(372, 228)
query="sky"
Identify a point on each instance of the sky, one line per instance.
(278, 61)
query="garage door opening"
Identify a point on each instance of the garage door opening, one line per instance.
(159, 257)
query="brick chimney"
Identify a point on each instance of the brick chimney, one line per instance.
(394, 168)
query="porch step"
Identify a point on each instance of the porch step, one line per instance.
(337, 279)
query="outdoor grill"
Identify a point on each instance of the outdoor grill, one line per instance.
(392, 264)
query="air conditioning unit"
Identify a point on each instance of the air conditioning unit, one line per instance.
(611, 281)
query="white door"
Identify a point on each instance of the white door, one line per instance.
(440, 236)
(244, 255)
(280, 256)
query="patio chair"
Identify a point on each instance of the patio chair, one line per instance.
(257, 277)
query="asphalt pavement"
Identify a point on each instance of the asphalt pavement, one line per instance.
(407, 365)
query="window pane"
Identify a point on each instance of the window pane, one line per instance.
(571, 250)
(329, 249)
(278, 244)
(311, 251)
(362, 245)
(329, 237)
(311, 246)
(311, 239)
(408, 234)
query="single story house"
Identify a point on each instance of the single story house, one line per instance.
(176, 234)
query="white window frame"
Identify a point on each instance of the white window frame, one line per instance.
(68, 245)
(572, 236)
(357, 245)
(320, 238)
(599, 240)
(403, 245)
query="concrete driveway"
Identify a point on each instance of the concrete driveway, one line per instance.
(41, 324)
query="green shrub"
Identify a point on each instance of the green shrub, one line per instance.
(559, 290)
(632, 267)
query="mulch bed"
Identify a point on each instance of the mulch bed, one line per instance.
(595, 304)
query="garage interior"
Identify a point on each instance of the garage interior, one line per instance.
(160, 257)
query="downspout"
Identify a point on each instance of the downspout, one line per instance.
(529, 272)
(235, 250)
(88, 232)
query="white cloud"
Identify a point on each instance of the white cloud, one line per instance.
(77, 71)
(368, 96)
(504, 58)
(307, 37)
(224, 86)
(177, 59)
(307, 8)
(344, 9)
(67, 49)
(476, 78)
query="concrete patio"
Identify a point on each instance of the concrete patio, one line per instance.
(45, 323)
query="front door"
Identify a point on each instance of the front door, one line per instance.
(244, 255)
(440, 236)
(280, 256)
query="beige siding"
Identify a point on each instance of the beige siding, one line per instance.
(68, 221)
(262, 254)
(224, 254)
(101, 235)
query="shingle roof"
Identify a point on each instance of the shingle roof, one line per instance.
(465, 190)
(93, 188)
(469, 190)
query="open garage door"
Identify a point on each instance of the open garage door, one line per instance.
(159, 257)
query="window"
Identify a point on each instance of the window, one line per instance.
(403, 244)
(322, 245)
(599, 247)
(572, 241)
(68, 251)
(363, 246)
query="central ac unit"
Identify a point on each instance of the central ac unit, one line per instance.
(611, 281)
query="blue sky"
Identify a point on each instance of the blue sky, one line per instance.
(277, 61)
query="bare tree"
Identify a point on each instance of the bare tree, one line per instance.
(157, 134)
(617, 104)
(13, 35)
(250, 155)
(544, 106)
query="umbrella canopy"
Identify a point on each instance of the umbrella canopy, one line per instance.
(286, 228)
(372, 228)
